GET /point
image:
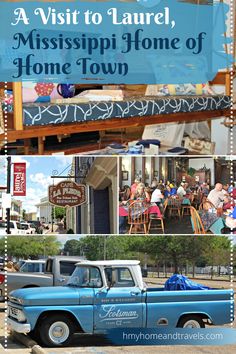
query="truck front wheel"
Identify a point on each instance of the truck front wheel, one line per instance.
(191, 322)
(56, 330)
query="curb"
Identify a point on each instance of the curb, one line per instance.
(36, 349)
(27, 342)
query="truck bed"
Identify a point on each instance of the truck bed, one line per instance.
(173, 304)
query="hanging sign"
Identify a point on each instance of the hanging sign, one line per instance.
(6, 201)
(19, 179)
(67, 194)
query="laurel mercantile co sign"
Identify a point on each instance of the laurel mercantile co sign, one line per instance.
(67, 194)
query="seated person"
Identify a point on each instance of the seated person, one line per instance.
(231, 219)
(181, 192)
(140, 194)
(157, 196)
(205, 189)
(135, 185)
(170, 184)
(125, 194)
(217, 196)
(169, 192)
(187, 188)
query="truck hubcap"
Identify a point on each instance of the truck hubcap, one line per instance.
(59, 332)
(191, 324)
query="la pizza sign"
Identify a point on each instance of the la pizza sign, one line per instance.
(67, 194)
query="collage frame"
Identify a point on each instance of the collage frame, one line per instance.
(108, 221)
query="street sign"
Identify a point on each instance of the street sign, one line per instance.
(19, 179)
(6, 200)
(67, 194)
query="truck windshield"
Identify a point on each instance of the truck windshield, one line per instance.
(85, 277)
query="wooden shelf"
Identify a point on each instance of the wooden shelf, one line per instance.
(17, 131)
(51, 130)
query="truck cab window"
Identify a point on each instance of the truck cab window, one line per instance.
(67, 268)
(119, 277)
(49, 265)
(86, 277)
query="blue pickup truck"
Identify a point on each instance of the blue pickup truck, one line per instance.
(102, 295)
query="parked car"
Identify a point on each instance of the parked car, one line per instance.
(28, 229)
(37, 225)
(103, 295)
(2, 263)
(57, 271)
(15, 227)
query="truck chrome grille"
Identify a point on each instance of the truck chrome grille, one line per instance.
(13, 312)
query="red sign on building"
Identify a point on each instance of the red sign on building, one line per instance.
(19, 179)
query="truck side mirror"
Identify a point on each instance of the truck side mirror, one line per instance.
(109, 284)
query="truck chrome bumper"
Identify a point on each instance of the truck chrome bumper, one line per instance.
(18, 327)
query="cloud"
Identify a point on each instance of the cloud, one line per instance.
(41, 179)
(33, 196)
(38, 189)
(63, 161)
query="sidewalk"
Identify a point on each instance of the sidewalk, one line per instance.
(57, 229)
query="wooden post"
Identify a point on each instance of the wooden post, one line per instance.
(26, 146)
(227, 83)
(18, 106)
(41, 146)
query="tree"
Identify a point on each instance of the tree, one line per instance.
(59, 212)
(31, 246)
(72, 247)
(217, 252)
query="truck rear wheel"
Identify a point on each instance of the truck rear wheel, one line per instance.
(191, 322)
(56, 330)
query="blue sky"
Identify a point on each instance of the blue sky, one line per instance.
(39, 170)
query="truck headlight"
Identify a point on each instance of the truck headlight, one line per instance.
(16, 300)
(20, 316)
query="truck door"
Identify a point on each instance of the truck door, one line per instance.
(122, 305)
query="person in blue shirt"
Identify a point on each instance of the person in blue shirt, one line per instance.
(231, 220)
(169, 192)
(233, 214)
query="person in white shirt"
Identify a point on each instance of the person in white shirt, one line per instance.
(217, 197)
(157, 196)
(181, 190)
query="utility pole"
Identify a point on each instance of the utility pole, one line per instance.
(52, 216)
(105, 248)
(8, 210)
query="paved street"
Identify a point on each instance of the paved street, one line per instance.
(97, 345)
